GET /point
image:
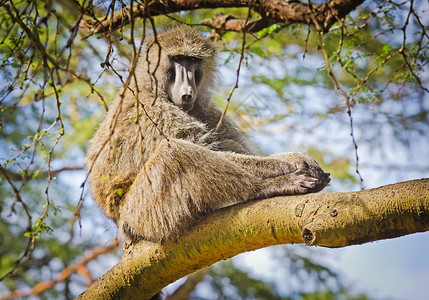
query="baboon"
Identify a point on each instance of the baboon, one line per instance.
(156, 163)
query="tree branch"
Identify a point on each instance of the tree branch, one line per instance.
(324, 219)
(223, 23)
(271, 11)
(183, 291)
(15, 176)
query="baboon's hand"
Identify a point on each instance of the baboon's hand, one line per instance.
(302, 175)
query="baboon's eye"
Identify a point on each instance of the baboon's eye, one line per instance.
(198, 76)
(194, 59)
(171, 74)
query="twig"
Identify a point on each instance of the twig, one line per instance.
(243, 44)
(78, 267)
(340, 89)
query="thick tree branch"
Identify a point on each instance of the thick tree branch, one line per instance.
(224, 23)
(271, 11)
(324, 219)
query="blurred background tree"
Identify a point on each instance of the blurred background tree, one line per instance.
(355, 97)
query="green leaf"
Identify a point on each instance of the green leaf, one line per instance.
(386, 48)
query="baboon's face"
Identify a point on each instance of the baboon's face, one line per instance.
(184, 76)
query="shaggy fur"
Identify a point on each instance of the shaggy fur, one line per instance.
(154, 185)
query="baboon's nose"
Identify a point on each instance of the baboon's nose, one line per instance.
(187, 94)
(186, 98)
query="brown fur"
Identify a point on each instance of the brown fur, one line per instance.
(152, 186)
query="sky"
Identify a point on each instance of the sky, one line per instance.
(390, 269)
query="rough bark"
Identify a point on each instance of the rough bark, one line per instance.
(324, 219)
(270, 11)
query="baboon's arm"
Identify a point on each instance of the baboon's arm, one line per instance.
(178, 124)
(277, 165)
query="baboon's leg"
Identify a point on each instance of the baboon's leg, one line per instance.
(180, 182)
(183, 180)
